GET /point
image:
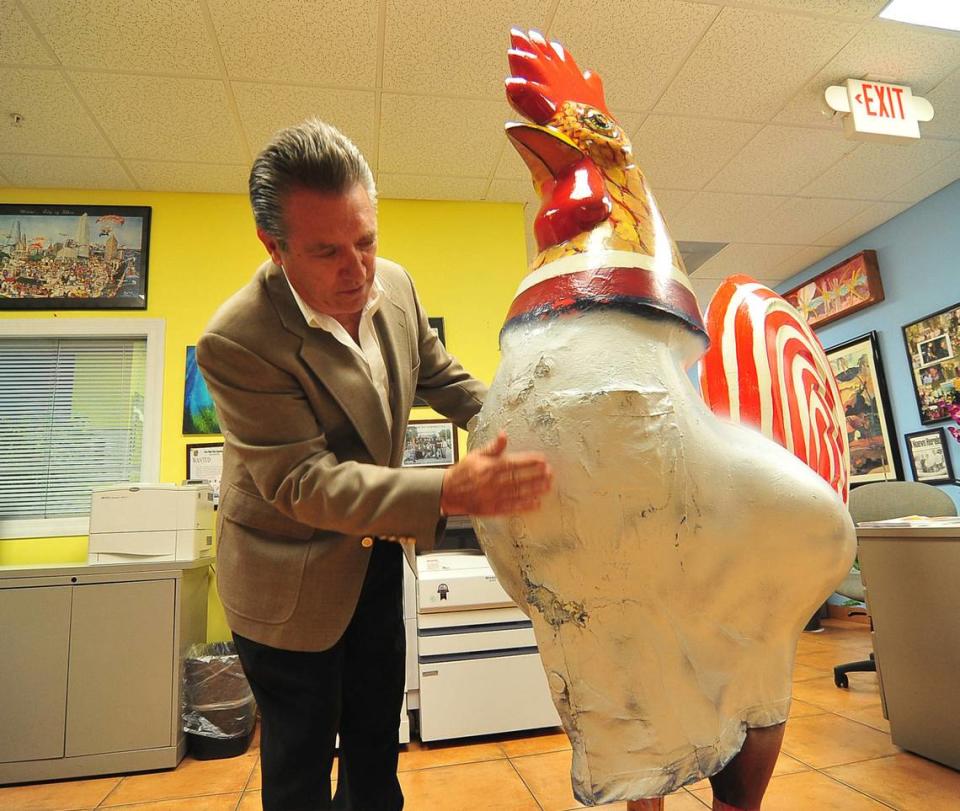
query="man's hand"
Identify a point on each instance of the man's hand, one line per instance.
(488, 481)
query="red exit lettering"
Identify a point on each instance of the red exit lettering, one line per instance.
(888, 101)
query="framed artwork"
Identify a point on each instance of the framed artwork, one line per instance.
(430, 443)
(56, 257)
(205, 466)
(874, 454)
(437, 324)
(839, 291)
(933, 349)
(929, 458)
(199, 414)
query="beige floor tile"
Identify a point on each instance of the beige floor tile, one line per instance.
(800, 709)
(862, 693)
(871, 716)
(256, 777)
(905, 781)
(805, 673)
(190, 778)
(425, 756)
(830, 740)
(809, 791)
(824, 660)
(535, 744)
(250, 801)
(212, 802)
(784, 765)
(63, 795)
(491, 785)
(548, 778)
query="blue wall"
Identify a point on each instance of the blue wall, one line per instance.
(918, 252)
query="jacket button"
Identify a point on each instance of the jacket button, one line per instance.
(366, 542)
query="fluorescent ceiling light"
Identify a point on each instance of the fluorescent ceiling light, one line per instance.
(934, 13)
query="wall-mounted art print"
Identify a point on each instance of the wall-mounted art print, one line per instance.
(56, 257)
(929, 457)
(839, 291)
(430, 443)
(199, 414)
(874, 454)
(437, 325)
(933, 348)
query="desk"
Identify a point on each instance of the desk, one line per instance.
(912, 578)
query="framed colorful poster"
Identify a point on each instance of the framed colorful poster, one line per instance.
(874, 454)
(55, 257)
(933, 349)
(839, 291)
(929, 458)
(199, 413)
(430, 443)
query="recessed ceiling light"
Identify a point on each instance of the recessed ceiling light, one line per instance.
(934, 13)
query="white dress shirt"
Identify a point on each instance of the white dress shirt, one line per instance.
(368, 350)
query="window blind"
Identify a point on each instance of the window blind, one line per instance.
(71, 418)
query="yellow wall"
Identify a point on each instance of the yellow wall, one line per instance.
(466, 259)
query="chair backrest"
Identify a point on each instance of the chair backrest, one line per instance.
(878, 501)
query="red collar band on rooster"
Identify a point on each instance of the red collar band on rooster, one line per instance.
(597, 209)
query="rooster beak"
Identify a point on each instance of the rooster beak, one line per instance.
(546, 151)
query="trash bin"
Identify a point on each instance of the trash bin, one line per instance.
(219, 711)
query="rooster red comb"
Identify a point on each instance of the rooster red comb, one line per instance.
(545, 76)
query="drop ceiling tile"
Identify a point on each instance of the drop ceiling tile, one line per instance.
(329, 44)
(781, 160)
(704, 289)
(425, 187)
(868, 219)
(802, 220)
(456, 137)
(885, 51)
(4, 181)
(945, 98)
(926, 183)
(803, 259)
(189, 177)
(54, 120)
(153, 116)
(614, 37)
(20, 45)
(511, 165)
(48, 171)
(753, 260)
(266, 108)
(671, 201)
(719, 217)
(750, 63)
(874, 170)
(166, 37)
(850, 9)
(510, 191)
(684, 153)
(456, 47)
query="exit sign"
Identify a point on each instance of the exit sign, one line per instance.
(879, 110)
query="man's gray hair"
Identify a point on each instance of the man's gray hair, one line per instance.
(312, 155)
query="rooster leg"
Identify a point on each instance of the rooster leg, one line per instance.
(740, 785)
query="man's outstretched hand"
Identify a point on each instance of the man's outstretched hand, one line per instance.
(488, 481)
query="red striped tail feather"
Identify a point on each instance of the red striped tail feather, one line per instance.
(765, 368)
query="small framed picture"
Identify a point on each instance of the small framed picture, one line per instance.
(205, 466)
(932, 344)
(430, 443)
(929, 457)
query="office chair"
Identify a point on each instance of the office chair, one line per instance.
(879, 501)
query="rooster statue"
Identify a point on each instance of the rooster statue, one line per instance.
(670, 572)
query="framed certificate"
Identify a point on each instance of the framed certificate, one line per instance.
(205, 465)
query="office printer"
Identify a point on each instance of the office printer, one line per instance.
(151, 522)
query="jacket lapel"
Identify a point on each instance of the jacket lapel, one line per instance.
(390, 322)
(337, 369)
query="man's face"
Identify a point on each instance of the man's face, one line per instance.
(330, 248)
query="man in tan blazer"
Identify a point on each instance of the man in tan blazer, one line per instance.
(313, 367)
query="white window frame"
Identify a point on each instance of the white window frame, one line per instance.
(153, 329)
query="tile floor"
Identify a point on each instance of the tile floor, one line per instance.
(837, 754)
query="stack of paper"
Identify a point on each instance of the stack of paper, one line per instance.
(914, 521)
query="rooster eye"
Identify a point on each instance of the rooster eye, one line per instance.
(598, 122)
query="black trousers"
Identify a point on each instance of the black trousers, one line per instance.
(354, 688)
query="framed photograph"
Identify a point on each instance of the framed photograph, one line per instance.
(929, 457)
(933, 344)
(874, 454)
(205, 466)
(430, 443)
(199, 414)
(56, 257)
(847, 287)
(437, 325)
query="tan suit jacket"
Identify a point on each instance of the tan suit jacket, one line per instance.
(310, 466)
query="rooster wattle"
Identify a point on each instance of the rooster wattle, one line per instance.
(673, 567)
